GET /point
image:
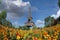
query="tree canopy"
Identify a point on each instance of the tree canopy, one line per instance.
(49, 21)
(59, 3)
(3, 15)
(3, 20)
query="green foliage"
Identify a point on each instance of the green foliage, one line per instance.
(37, 35)
(6, 23)
(34, 28)
(51, 32)
(8, 35)
(58, 19)
(59, 36)
(13, 26)
(20, 27)
(59, 3)
(1, 36)
(27, 28)
(49, 21)
(3, 15)
(24, 28)
(13, 37)
(3, 20)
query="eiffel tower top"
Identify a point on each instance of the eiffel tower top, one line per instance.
(29, 13)
(29, 23)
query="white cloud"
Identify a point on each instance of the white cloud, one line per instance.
(56, 15)
(16, 8)
(34, 9)
(16, 24)
(40, 23)
(20, 3)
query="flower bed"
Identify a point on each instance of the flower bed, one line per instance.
(51, 33)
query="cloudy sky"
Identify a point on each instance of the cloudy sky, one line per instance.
(17, 10)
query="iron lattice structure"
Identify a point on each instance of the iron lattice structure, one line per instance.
(29, 22)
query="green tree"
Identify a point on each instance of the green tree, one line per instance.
(58, 19)
(6, 23)
(59, 3)
(3, 20)
(20, 27)
(3, 15)
(49, 21)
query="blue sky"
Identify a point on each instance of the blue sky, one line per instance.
(40, 10)
(45, 8)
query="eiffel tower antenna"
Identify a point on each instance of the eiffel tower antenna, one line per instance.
(29, 12)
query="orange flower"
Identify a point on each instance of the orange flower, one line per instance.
(5, 38)
(17, 36)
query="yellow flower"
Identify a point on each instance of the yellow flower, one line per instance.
(54, 39)
(39, 38)
(18, 37)
(33, 37)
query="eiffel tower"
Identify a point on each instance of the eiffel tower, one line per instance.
(29, 22)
